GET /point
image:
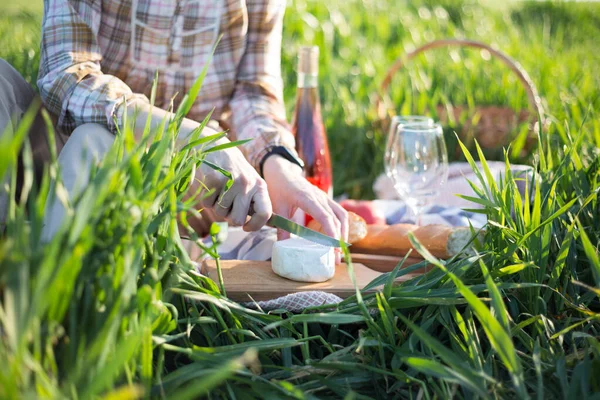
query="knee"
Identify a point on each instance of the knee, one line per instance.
(90, 139)
(6, 89)
(95, 135)
(4, 64)
(15, 85)
(7, 71)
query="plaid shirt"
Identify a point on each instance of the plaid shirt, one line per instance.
(98, 53)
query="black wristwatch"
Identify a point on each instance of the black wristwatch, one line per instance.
(283, 152)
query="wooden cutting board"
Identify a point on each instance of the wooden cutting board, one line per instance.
(386, 263)
(246, 280)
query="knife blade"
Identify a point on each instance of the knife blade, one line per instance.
(277, 221)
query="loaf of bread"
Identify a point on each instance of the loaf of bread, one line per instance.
(392, 240)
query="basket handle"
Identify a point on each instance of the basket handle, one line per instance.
(382, 102)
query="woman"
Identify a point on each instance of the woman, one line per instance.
(99, 59)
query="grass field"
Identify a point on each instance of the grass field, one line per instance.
(111, 308)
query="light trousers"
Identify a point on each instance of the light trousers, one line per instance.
(77, 152)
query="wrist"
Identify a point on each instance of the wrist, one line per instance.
(276, 165)
(280, 157)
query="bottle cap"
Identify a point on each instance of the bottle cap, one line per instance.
(308, 60)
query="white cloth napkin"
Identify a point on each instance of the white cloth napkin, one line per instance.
(458, 176)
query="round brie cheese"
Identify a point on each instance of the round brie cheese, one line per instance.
(302, 260)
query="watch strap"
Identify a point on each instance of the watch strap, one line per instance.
(283, 152)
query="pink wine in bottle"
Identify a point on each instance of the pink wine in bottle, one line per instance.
(307, 123)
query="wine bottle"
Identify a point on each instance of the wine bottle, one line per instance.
(307, 123)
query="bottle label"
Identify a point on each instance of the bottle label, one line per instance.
(307, 80)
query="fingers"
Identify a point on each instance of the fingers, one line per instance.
(282, 235)
(225, 202)
(236, 204)
(209, 193)
(262, 208)
(342, 216)
(338, 256)
(239, 211)
(317, 205)
(247, 191)
(222, 208)
(320, 210)
(332, 217)
(288, 213)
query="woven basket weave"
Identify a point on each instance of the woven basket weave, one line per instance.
(490, 125)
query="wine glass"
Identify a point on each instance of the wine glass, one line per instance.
(397, 120)
(418, 164)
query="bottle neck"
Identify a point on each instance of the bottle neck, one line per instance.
(307, 81)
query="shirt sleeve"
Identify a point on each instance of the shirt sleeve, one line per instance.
(257, 109)
(71, 82)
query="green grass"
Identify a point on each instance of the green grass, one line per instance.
(112, 308)
(554, 42)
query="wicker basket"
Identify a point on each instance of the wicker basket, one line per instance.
(490, 125)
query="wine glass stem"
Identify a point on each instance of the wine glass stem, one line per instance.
(417, 210)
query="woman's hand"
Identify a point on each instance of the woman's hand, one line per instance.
(289, 191)
(248, 190)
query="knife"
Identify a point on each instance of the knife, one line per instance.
(277, 221)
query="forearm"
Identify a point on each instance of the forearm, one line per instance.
(142, 113)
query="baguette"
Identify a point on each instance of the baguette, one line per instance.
(442, 241)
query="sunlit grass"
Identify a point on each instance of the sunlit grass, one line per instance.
(113, 305)
(553, 41)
